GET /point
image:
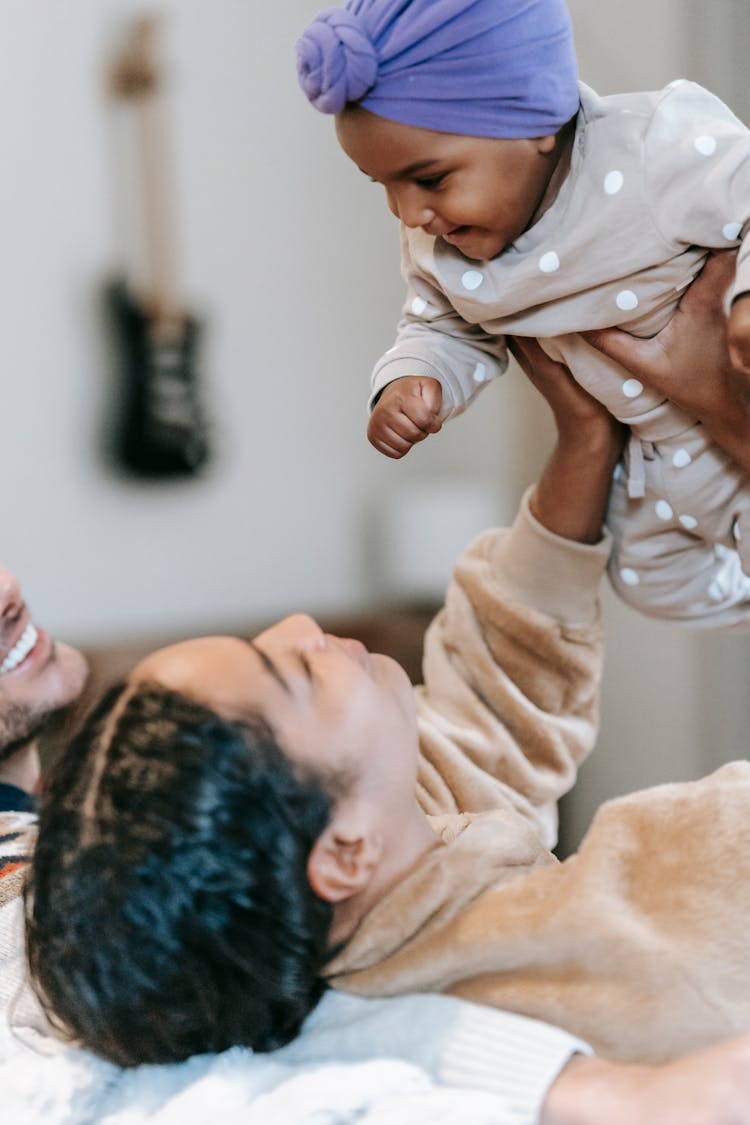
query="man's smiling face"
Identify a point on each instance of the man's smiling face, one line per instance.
(37, 675)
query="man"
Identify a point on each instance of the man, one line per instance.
(38, 676)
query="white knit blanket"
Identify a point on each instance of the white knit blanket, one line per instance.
(75, 1089)
(317, 1080)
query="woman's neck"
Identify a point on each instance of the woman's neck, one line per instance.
(416, 840)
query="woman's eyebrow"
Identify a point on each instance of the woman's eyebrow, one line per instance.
(269, 665)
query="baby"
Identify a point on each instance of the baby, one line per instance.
(530, 206)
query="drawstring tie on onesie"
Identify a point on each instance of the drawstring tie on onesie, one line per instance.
(638, 452)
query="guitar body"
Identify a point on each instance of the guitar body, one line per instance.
(160, 430)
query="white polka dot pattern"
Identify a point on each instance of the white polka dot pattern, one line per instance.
(613, 182)
(479, 374)
(631, 388)
(731, 231)
(663, 510)
(626, 300)
(418, 306)
(629, 576)
(681, 459)
(715, 592)
(549, 262)
(705, 145)
(689, 522)
(472, 279)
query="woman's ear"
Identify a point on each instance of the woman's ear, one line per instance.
(546, 145)
(343, 860)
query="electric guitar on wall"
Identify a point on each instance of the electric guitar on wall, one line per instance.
(161, 430)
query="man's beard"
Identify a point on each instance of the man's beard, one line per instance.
(19, 724)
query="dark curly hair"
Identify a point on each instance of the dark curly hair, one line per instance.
(168, 908)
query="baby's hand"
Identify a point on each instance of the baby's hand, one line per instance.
(407, 411)
(739, 334)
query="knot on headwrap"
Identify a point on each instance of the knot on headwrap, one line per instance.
(484, 68)
(336, 60)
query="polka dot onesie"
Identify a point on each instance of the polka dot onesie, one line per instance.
(656, 181)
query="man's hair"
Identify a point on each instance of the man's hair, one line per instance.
(169, 910)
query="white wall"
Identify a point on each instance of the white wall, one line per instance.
(293, 259)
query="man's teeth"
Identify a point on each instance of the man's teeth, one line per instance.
(21, 649)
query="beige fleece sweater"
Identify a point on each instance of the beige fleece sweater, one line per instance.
(639, 943)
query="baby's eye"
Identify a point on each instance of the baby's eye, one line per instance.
(430, 182)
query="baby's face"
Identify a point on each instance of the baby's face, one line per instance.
(478, 193)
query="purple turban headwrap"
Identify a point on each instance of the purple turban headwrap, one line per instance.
(484, 68)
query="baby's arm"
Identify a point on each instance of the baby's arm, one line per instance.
(697, 170)
(439, 361)
(407, 412)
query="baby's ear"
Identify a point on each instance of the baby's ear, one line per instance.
(343, 860)
(546, 145)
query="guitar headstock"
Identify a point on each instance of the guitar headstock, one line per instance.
(135, 71)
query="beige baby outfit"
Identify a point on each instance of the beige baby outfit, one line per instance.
(656, 180)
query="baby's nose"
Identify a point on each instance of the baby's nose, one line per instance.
(410, 209)
(417, 216)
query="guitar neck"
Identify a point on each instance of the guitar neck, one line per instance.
(138, 81)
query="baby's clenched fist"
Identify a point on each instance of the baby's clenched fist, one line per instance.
(407, 411)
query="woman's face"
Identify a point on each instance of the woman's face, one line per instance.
(478, 193)
(331, 704)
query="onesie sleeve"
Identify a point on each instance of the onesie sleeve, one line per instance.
(512, 668)
(697, 174)
(433, 339)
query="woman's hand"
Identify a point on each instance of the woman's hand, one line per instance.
(688, 361)
(579, 417)
(571, 496)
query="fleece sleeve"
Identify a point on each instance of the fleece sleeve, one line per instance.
(512, 667)
(433, 339)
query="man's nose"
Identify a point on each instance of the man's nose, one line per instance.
(11, 601)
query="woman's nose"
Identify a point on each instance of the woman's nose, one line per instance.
(303, 627)
(299, 630)
(11, 601)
